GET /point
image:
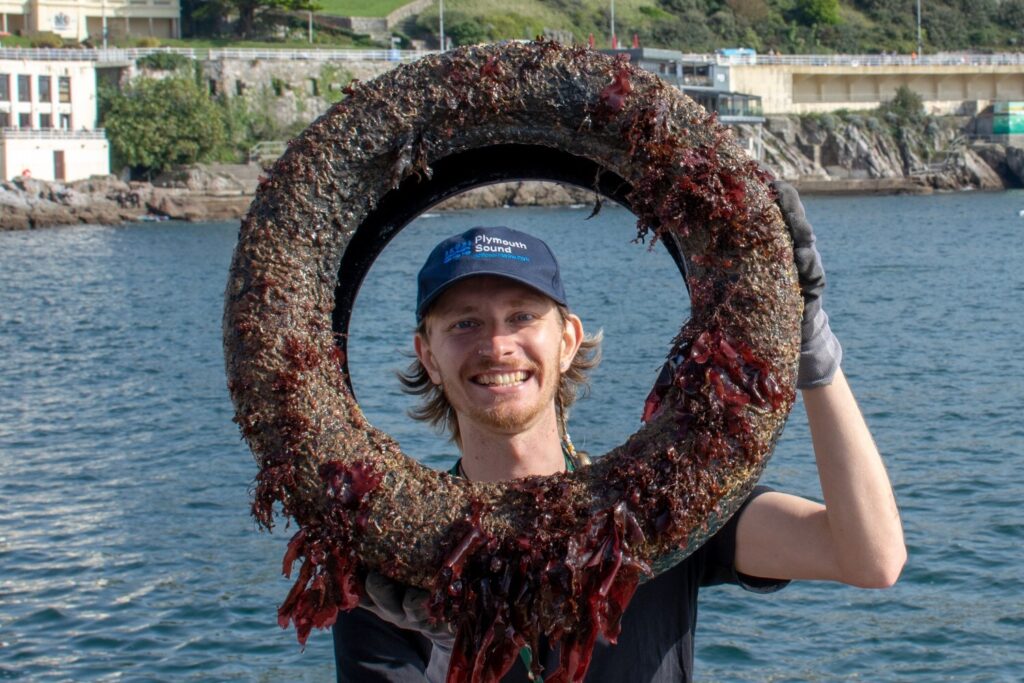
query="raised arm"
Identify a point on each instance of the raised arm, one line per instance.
(856, 537)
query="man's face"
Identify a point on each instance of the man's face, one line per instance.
(498, 349)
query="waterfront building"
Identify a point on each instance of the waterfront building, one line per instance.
(48, 120)
(705, 79)
(93, 19)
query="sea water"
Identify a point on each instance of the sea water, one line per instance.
(127, 551)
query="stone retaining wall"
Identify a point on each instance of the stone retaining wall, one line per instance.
(380, 28)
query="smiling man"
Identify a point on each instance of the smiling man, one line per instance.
(494, 345)
(499, 360)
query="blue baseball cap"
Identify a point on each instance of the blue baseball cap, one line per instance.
(489, 251)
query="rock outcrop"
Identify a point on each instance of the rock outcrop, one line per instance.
(194, 194)
(519, 193)
(854, 153)
(866, 153)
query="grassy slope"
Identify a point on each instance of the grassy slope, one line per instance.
(528, 18)
(360, 8)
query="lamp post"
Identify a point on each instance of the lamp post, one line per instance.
(612, 26)
(441, 21)
(920, 48)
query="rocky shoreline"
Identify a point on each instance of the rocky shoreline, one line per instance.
(859, 165)
(194, 194)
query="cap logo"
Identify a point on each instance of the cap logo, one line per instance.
(458, 251)
(485, 246)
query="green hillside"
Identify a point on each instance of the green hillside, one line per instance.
(791, 26)
(787, 26)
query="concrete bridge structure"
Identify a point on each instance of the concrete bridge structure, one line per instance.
(802, 84)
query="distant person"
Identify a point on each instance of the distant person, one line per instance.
(499, 357)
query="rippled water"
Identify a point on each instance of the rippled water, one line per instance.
(126, 550)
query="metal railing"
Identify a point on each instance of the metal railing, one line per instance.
(387, 55)
(942, 59)
(52, 134)
(130, 54)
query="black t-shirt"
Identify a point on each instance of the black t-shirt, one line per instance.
(655, 645)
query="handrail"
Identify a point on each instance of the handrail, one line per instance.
(52, 134)
(388, 55)
(130, 54)
(941, 59)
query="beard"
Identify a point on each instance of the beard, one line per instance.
(507, 418)
(511, 416)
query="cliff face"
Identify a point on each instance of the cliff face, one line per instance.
(861, 152)
(820, 154)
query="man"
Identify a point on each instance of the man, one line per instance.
(495, 348)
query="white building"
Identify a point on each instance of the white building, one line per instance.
(81, 19)
(48, 120)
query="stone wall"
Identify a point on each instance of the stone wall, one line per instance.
(288, 94)
(380, 28)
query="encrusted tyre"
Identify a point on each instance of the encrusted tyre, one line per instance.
(558, 555)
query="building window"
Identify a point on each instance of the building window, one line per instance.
(65, 121)
(5, 87)
(24, 120)
(5, 120)
(64, 88)
(44, 89)
(239, 88)
(45, 121)
(24, 88)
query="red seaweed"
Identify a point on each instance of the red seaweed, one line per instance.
(613, 98)
(327, 580)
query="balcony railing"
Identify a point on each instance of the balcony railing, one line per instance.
(52, 134)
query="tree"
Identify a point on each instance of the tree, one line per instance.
(154, 124)
(206, 15)
(818, 12)
(250, 10)
(1011, 14)
(906, 106)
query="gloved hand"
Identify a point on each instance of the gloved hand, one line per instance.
(820, 352)
(405, 607)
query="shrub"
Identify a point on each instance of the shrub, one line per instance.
(154, 124)
(468, 31)
(163, 61)
(829, 122)
(906, 105)
(47, 39)
(818, 12)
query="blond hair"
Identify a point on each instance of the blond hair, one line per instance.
(435, 409)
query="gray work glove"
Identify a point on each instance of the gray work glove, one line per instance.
(406, 607)
(403, 606)
(820, 352)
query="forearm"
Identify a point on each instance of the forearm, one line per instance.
(863, 520)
